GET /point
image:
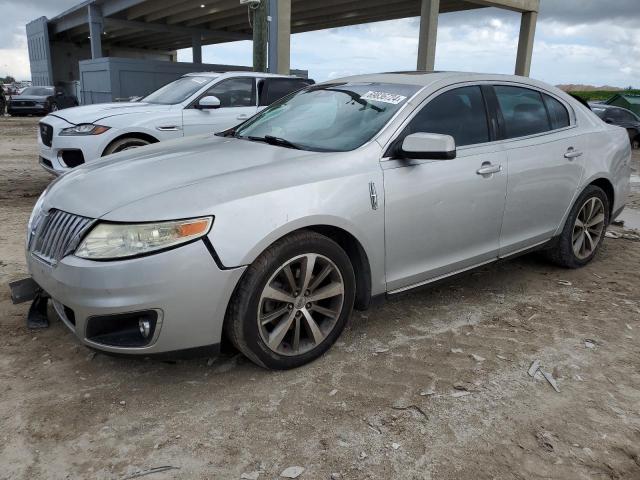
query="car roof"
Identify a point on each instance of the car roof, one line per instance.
(421, 78)
(239, 73)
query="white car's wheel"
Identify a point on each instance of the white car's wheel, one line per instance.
(127, 143)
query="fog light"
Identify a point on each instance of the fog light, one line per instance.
(145, 327)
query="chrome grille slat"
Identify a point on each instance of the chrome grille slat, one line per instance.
(57, 235)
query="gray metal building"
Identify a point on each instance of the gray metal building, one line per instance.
(119, 48)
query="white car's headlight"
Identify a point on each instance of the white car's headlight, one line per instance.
(107, 241)
(84, 129)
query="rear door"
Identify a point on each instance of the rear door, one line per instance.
(238, 101)
(546, 155)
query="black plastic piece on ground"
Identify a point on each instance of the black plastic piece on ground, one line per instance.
(24, 290)
(37, 317)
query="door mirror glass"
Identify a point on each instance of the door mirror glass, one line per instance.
(208, 102)
(430, 146)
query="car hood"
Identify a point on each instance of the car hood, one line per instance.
(100, 111)
(228, 165)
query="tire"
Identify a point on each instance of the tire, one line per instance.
(246, 323)
(126, 143)
(635, 143)
(53, 107)
(563, 252)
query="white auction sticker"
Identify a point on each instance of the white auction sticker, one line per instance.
(383, 97)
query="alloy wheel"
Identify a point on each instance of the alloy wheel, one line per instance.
(588, 228)
(300, 304)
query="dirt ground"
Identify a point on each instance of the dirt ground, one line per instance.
(431, 385)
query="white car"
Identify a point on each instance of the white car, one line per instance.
(194, 104)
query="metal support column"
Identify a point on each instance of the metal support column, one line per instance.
(525, 44)
(96, 27)
(428, 34)
(280, 36)
(196, 45)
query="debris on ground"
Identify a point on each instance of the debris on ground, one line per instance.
(395, 446)
(477, 358)
(292, 472)
(333, 392)
(363, 455)
(551, 380)
(150, 471)
(566, 283)
(544, 440)
(534, 368)
(590, 343)
(456, 350)
(250, 476)
(428, 392)
(414, 408)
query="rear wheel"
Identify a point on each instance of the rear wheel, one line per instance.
(584, 231)
(635, 143)
(293, 301)
(127, 143)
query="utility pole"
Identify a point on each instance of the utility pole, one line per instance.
(260, 34)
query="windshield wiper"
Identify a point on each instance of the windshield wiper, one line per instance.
(277, 141)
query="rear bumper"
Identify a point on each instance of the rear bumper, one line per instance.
(184, 285)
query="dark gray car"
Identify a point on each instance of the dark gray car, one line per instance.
(622, 118)
(40, 101)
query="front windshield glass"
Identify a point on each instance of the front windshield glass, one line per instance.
(38, 91)
(178, 91)
(333, 117)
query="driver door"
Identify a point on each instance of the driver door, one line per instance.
(444, 216)
(238, 102)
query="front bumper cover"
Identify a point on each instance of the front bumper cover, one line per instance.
(184, 284)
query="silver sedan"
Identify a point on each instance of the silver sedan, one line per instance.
(270, 233)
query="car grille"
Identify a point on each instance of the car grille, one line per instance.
(57, 234)
(22, 103)
(46, 134)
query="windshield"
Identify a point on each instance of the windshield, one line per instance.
(334, 117)
(178, 91)
(38, 91)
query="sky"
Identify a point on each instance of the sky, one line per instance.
(594, 42)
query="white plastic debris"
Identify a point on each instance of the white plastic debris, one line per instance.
(428, 392)
(611, 234)
(333, 392)
(363, 455)
(292, 472)
(460, 393)
(477, 358)
(589, 344)
(456, 350)
(566, 283)
(395, 446)
(534, 368)
(250, 476)
(551, 380)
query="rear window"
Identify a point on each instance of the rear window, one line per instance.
(558, 113)
(272, 89)
(523, 110)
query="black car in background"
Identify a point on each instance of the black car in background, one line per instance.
(622, 118)
(40, 101)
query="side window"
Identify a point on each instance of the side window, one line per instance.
(272, 89)
(619, 115)
(557, 112)
(460, 113)
(235, 92)
(523, 110)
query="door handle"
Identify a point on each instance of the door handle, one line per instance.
(489, 169)
(243, 116)
(572, 153)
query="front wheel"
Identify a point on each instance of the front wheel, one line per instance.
(584, 231)
(293, 301)
(635, 143)
(125, 144)
(53, 107)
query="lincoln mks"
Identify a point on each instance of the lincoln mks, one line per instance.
(268, 234)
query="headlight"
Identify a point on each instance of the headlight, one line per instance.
(115, 240)
(84, 129)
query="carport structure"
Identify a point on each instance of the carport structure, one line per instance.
(169, 25)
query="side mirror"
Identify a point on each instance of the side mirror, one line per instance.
(428, 146)
(209, 102)
(59, 93)
(608, 120)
